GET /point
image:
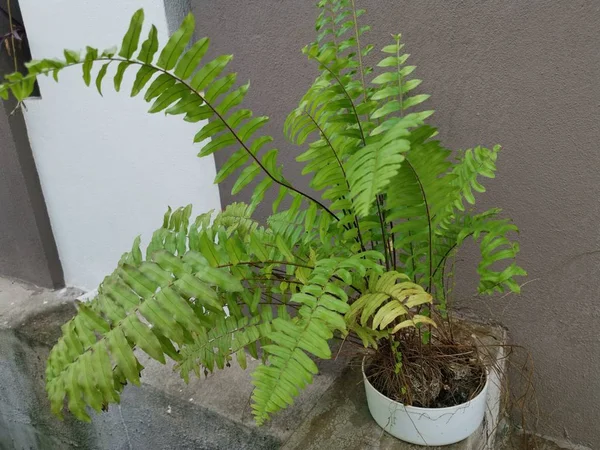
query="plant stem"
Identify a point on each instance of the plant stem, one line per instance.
(400, 94)
(428, 222)
(251, 263)
(393, 244)
(359, 52)
(383, 236)
(12, 35)
(447, 254)
(339, 82)
(329, 143)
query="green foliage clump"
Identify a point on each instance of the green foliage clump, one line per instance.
(366, 257)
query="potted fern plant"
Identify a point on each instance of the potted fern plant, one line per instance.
(365, 260)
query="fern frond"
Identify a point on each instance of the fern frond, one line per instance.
(178, 82)
(370, 170)
(181, 302)
(322, 305)
(339, 53)
(457, 224)
(417, 200)
(470, 165)
(496, 247)
(394, 85)
(338, 29)
(387, 304)
(326, 156)
(237, 218)
(332, 109)
(150, 306)
(229, 336)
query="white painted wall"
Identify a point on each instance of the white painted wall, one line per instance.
(107, 168)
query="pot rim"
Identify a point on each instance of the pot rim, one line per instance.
(421, 409)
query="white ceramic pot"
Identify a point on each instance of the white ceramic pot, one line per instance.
(426, 426)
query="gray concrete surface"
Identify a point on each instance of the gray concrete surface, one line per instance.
(534, 442)
(520, 73)
(165, 413)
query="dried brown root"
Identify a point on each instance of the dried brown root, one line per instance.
(440, 374)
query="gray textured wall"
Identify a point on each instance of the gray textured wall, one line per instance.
(523, 74)
(27, 247)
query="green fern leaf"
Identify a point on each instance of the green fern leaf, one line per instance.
(158, 86)
(132, 37)
(141, 79)
(149, 46)
(245, 178)
(191, 59)
(100, 77)
(90, 56)
(209, 72)
(237, 160)
(118, 80)
(176, 45)
(168, 97)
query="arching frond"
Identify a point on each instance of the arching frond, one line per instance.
(177, 81)
(204, 293)
(153, 305)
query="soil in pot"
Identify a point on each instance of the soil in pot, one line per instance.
(437, 375)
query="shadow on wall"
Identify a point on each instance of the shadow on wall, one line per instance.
(27, 247)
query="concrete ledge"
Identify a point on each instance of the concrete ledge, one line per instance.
(210, 413)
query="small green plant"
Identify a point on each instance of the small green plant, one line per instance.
(365, 258)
